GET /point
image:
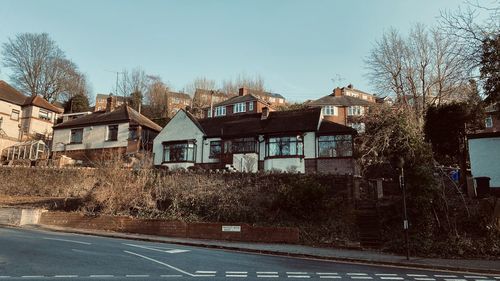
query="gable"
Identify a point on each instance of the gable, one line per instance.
(180, 127)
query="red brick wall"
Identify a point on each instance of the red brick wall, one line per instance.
(172, 228)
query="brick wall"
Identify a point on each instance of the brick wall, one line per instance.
(172, 228)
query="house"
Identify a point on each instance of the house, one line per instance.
(177, 101)
(484, 148)
(24, 118)
(294, 141)
(101, 101)
(204, 98)
(244, 103)
(272, 98)
(345, 106)
(122, 130)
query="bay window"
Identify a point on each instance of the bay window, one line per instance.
(241, 145)
(183, 151)
(284, 146)
(215, 149)
(335, 146)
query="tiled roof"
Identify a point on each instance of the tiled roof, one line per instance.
(11, 95)
(339, 101)
(278, 122)
(238, 99)
(120, 115)
(264, 93)
(41, 102)
(180, 95)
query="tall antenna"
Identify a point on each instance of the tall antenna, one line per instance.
(116, 84)
(337, 80)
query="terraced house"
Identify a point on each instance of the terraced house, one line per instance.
(290, 141)
(23, 118)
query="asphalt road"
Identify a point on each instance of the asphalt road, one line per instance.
(43, 255)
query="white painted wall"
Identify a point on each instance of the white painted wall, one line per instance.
(9, 126)
(485, 159)
(94, 137)
(246, 162)
(37, 125)
(310, 145)
(179, 128)
(285, 164)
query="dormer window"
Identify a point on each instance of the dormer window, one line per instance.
(240, 107)
(220, 111)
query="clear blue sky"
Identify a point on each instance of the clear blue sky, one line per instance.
(296, 46)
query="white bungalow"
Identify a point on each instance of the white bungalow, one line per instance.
(291, 141)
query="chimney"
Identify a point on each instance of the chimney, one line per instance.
(337, 92)
(265, 113)
(243, 91)
(110, 103)
(349, 86)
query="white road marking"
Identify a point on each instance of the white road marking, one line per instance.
(205, 272)
(66, 240)
(268, 276)
(299, 276)
(455, 280)
(267, 272)
(327, 273)
(356, 274)
(444, 276)
(236, 275)
(158, 249)
(171, 275)
(386, 274)
(424, 279)
(65, 276)
(32, 276)
(416, 275)
(469, 276)
(101, 276)
(361, 277)
(330, 276)
(391, 278)
(294, 272)
(136, 275)
(484, 280)
(4, 276)
(162, 263)
(236, 272)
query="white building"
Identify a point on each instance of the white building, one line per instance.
(88, 137)
(484, 153)
(293, 141)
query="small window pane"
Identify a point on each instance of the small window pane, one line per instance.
(112, 133)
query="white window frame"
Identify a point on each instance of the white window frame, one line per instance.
(240, 107)
(13, 113)
(355, 110)
(108, 136)
(488, 122)
(220, 111)
(330, 110)
(250, 106)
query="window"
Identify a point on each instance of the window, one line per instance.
(220, 111)
(179, 151)
(76, 135)
(14, 115)
(133, 133)
(335, 146)
(242, 145)
(209, 113)
(355, 110)
(112, 133)
(330, 110)
(250, 106)
(44, 114)
(239, 107)
(215, 149)
(284, 146)
(488, 122)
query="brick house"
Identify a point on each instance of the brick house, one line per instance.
(115, 130)
(345, 106)
(23, 118)
(177, 101)
(101, 101)
(294, 141)
(244, 103)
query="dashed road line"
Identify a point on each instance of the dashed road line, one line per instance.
(267, 272)
(416, 275)
(236, 272)
(455, 279)
(327, 273)
(295, 272)
(65, 276)
(385, 274)
(391, 278)
(237, 275)
(171, 276)
(205, 272)
(475, 277)
(267, 276)
(299, 276)
(101, 276)
(445, 276)
(136, 275)
(355, 274)
(330, 276)
(32, 276)
(361, 277)
(424, 279)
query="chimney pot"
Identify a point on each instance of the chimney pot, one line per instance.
(110, 103)
(243, 91)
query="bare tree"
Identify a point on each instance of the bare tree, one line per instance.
(157, 97)
(419, 70)
(231, 87)
(200, 83)
(38, 66)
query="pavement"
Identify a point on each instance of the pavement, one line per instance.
(333, 254)
(42, 254)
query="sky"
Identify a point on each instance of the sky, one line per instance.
(302, 49)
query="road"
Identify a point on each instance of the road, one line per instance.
(27, 254)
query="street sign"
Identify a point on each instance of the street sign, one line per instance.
(231, 228)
